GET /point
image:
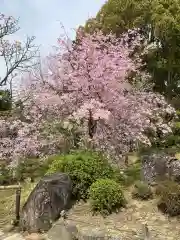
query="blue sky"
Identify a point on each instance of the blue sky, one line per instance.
(42, 18)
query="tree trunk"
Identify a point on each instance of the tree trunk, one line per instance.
(92, 125)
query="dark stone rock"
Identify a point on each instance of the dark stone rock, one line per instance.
(160, 166)
(50, 196)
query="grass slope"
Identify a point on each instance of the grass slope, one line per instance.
(7, 202)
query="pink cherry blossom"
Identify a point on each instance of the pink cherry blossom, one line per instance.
(88, 83)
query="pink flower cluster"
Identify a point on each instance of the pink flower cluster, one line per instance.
(87, 82)
(20, 140)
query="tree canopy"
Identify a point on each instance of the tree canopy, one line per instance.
(159, 20)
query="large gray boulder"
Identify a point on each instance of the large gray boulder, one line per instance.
(50, 196)
(158, 166)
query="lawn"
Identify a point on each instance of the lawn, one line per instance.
(7, 202)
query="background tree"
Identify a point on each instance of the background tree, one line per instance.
(5, 100)
(16, 56)
(159, 22)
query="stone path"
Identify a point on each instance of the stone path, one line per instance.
(11, 236)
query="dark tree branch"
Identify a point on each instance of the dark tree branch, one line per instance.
(17, 56)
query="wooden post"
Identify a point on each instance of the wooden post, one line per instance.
(18, 203)
(146, 232)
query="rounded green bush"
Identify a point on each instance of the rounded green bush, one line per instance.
(84, 168)
(106, 195)
(169, 201)
(142, 191)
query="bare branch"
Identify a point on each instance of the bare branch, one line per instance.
(17, 56)
(8, 26)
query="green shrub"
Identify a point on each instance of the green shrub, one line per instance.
(163, 186)
(5, 100)
(6, 176)
(132, 174)
(172, 140)
(84, 168)
(32, 168)
(142, 191)
(106, 195)
(177, 128)
(169, 193)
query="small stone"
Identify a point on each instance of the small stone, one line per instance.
(153, 184)
(63, 214)
(8, 228)
(59, 231)
(94, 234)
(113, 235)
(122, 209)
(71, 228)
(34, 236)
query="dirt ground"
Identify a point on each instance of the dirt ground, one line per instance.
(129, 223)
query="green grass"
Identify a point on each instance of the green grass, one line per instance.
(178, 155)
(133, 157)
(7, 202)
